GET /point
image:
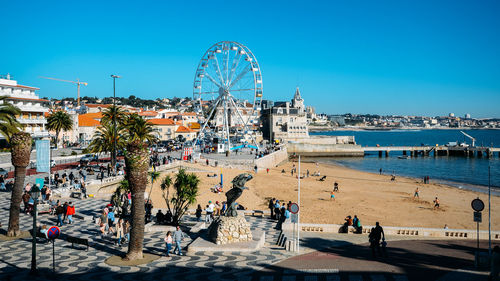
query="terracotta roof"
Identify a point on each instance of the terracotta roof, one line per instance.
(188, 113)
(89, 119)
(148, 113)
(183, 129)
(93, 105)
(14, 98)
(19, 86)
(161, 121)
(171, 113)
(194, 126)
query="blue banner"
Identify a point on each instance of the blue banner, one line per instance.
(42, 156)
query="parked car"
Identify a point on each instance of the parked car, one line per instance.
(3, 172)
(88, 158)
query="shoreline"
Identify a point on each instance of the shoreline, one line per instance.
(377, 129)
(495, 191)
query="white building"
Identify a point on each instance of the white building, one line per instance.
(32, 107)
(285, 121)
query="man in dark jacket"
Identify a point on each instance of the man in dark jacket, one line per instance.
(59, 213)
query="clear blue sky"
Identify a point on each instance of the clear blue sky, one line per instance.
(380, 57)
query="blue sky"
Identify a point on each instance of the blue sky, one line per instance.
(380, 57)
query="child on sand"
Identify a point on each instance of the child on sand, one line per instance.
(335, 187)
(332, 196)
(416, 193)
(436, 203)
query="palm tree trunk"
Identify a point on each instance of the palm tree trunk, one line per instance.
(20, 156)
(136, 161)
(15, 202)
(137, 227)
(57, 139)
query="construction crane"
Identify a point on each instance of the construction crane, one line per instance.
(77, 82)
(472, 139)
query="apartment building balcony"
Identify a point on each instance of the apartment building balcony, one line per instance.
(40, 120)
(32, 108)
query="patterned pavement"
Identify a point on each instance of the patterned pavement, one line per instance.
(78, 264)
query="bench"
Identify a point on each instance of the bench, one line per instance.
(258, 213)
(75, 240)
(43, 208)
(76, 194)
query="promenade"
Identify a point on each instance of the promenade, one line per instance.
(323, 256)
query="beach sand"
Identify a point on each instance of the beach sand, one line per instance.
(371, 197)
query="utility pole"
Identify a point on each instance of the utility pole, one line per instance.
(113, 153)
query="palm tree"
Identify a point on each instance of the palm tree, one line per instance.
(154, 177)
(103, 139)
(186, 190)
(139, 128)
(20, 144)
(116, 112)
(59, 121)
(8, 121)
(114, 116)
(137, 162)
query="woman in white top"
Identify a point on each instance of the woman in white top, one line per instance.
(168, 242)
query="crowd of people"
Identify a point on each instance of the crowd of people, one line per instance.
(113, 226)
(280, 211)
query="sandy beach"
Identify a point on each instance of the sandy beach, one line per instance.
(371, 197)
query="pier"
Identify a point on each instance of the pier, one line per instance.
(435, 151)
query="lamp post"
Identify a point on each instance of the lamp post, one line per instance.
(35, 194)
(113, 153)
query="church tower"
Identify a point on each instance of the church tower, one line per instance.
(298, 102)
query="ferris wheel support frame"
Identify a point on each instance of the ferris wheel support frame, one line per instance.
(228, 82)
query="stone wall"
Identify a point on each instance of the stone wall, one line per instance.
(225, 230)
(273, 159)
(400, 231)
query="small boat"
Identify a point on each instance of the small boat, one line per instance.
(404, 157)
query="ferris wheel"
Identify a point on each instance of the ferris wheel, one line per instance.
(227, 92)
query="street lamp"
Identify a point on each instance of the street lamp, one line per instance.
(35, 194)
(113, 153)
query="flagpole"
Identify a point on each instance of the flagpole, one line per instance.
(298, 215)
(489, 210)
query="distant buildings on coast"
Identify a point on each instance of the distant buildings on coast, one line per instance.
(405, 122)
(174, 118)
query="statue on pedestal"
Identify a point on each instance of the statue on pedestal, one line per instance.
(234, 193)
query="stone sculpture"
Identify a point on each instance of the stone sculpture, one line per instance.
(234, 193)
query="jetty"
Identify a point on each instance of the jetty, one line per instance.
(443, 150)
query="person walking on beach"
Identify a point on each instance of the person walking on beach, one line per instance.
(436, 203)
(416, 193)
(336, 187)
(332, 196)
(380, 171)
(178, 236)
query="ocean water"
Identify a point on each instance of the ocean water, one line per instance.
(462, 172)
